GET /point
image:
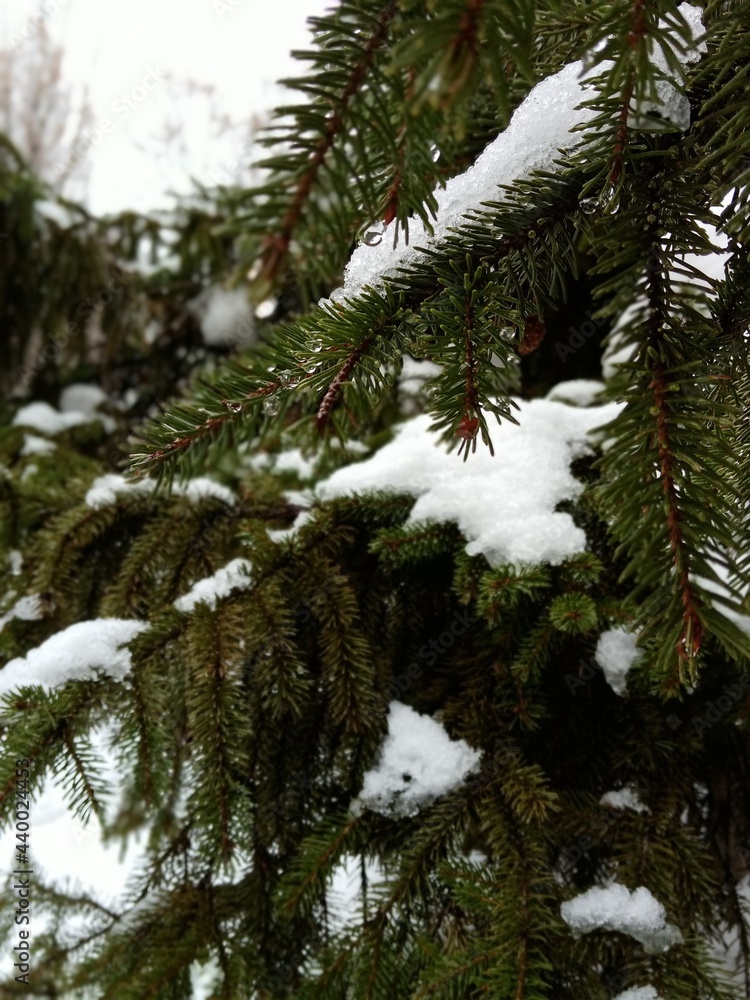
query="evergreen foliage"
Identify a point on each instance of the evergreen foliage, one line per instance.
(247, 722)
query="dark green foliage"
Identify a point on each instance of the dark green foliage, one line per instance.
(246, 726)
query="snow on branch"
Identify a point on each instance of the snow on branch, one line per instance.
(548, 123)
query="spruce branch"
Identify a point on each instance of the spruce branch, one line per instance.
(277, 244)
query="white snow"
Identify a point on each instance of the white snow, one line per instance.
(202, 487)
(541, 127)
(415, 373)
(624, 798)
(81, 398)
(225, 317)
(615, 908)
(56, 212)
(16, 562)
(27, 609)
(284, 534)
(639, 993)
(670, 102)
(65, 850)
(45, 418)
(344, 896)
(33, 445)
(105, 489)
(294, 461)
(75, 654)
(504, 506)
(234, 576)
(616, 652)
(577, 391)
(418, 762)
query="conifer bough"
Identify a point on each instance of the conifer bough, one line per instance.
(415, 702)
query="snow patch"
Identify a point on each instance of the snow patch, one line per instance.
(45, 418)
(225, 317)
(615, 908)
(541, 128)
(234, 576)
(81, 398)
(33, 445)
(75, 654)
(639, 993)
(577, 392)
(616, 652)
(106, 489)
(27, 609)
(504, 506)
(624, 798)
(418, 762)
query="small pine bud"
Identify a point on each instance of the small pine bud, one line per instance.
(533, 334)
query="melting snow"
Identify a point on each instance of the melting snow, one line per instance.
(418, 762)
(504, 505)
(234, 576)
(616, 652)
(75, 654)
(615, 908)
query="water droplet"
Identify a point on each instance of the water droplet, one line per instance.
(316, 345)
(374, 234)
(271, 405)
(609, 200)
(589, 205)
(435, 153)
(285, 379)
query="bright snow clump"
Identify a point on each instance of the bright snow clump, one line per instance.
(27, 609)
(418, 762)
(639, 993)
(616, 652)
(45, 418)
(81, 398)
(234, 576)
(33, 445)
(541, 127)
(504, 506)
(578, 391)
(105, 489)
(225, 317)
(75, 654)
(615, 908)
(624, 798)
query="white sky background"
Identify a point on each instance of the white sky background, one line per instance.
(111, 45)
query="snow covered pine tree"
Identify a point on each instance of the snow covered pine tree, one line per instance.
(400, 719)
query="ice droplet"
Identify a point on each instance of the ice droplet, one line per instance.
(374, 234)
(589, 205)
(271, 405)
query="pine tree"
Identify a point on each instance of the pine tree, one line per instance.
(410, 592)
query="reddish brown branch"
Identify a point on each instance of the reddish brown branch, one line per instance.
(635, 37)
(334, 389)
(277, 246)
(690, 639)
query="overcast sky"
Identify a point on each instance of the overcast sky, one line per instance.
(239, 46)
